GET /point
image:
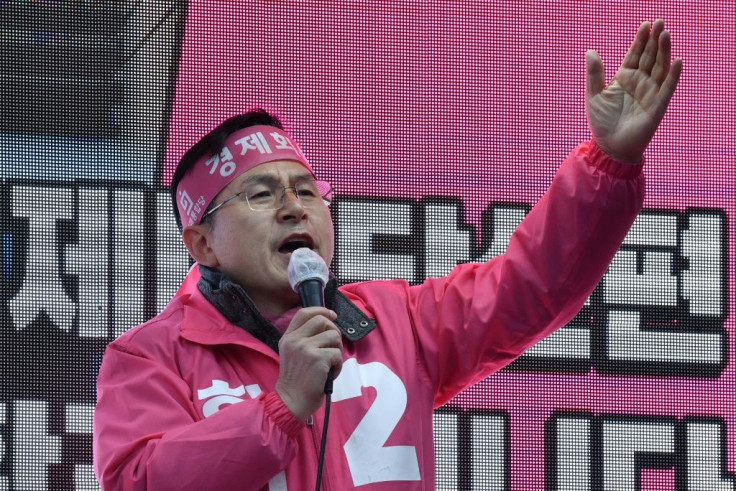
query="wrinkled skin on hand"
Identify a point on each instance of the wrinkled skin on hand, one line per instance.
(308, 350)
(624, 115)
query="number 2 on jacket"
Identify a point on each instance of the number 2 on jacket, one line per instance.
(369, 460)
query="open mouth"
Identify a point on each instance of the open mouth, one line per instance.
(292, 244)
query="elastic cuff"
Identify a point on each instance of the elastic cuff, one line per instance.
(600, 160)
(281, 414)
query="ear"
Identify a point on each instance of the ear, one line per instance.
(198, 240)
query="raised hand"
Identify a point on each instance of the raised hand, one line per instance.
(624, 116)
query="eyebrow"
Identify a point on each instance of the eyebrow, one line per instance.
(273, 178)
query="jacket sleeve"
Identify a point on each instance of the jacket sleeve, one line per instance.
(485, 315)
(147, 434)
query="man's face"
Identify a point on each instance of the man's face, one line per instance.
(253, 248)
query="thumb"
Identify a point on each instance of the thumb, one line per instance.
(595, 74)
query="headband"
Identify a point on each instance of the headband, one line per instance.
(243, 150)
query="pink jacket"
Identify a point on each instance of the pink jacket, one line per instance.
(186, 401)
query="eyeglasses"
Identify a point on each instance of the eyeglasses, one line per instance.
(268, 195)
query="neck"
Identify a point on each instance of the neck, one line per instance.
(275, 305)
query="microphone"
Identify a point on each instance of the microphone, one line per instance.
(308, 275)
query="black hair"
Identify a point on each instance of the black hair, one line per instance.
(212, 143)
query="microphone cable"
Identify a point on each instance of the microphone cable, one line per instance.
(328, 400)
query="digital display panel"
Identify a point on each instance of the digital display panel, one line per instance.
(439, 124)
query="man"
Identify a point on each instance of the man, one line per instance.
(225, 388)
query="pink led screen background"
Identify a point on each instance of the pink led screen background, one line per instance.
(440, 124)
(480, 102)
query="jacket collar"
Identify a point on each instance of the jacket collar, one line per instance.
(238, 308)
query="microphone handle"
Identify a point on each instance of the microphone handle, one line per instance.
(312, 294)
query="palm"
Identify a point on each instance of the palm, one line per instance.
(624, 116)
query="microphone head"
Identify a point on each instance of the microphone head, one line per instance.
(305, 264)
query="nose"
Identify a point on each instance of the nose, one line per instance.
(286, 191)
(291, 206)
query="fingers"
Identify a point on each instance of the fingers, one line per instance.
(303, 317)
(650, 51)
(596, 77)
(670, 83)
(624, 116)
(330, 338)
(335, 362)
(311, 331)
(649, 56)
(631, 60)
(661, 65)
(308, 350)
